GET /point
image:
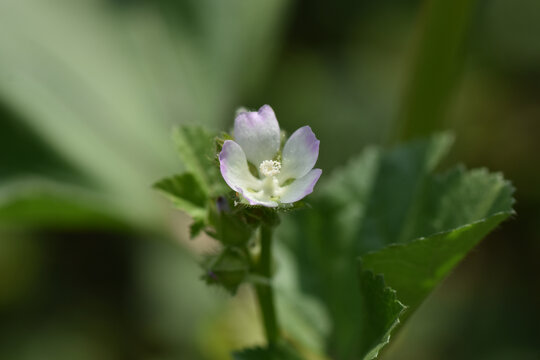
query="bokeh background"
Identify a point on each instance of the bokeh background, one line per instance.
(95, 265)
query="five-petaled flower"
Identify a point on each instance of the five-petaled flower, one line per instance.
(283, 177)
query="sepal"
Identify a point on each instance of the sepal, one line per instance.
(228, 269)
(231, 226)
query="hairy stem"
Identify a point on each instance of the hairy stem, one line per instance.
(265, 292)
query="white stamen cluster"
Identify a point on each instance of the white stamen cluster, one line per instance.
(270, 168)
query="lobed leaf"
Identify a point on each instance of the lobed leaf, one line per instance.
(383, 315)
(415, 268)
(196, 147)
(386, 215)
(187, 194)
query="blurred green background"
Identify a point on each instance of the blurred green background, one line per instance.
(95, 265)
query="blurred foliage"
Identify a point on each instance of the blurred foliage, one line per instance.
(89, 91)
(437, 64)
(279, 352)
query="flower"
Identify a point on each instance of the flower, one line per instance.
(283, 177)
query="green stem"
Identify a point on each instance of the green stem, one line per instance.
(265, 292)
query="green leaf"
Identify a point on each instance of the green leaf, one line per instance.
(384, 310)
(196, 228)
(302, 317)
(228, 269)
(231, 228)
(198, 153)
(415, 268)
(276, 352)
(404, 222)
(186, 193)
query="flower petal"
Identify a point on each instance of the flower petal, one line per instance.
(257, 132)
(259, 199)
(299, 154)
(300, 188)
(234, 168)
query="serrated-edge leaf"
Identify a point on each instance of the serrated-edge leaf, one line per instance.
(192, 155)
(423, 156)
(186, 193)
(449, 246)
(412, 304)
(369, 260)
(196, 228)
(389, 297)
(356, 203)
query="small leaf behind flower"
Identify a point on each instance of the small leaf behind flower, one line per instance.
(196, 228)
(186, 193)
(196, 146)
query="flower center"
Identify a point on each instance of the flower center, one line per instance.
(270, 168)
